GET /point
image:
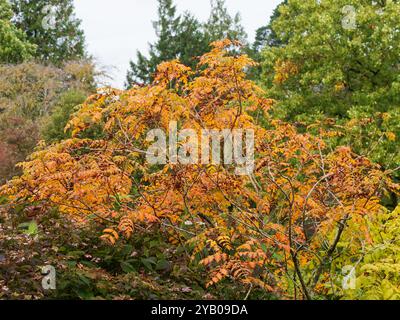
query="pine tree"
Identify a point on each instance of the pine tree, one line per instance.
(13, 45)
(179, 37)
(183, 37)
(266, 35)
(53, 27)
(221, 24)
(166, 27)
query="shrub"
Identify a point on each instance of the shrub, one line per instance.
(276, 229)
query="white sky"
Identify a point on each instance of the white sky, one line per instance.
(115, 29)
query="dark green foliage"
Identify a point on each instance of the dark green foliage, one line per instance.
(179, 37)
(52, 26)
(183, 37)
(266, 35)
(221, 25)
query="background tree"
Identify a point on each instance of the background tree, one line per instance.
(53, 129)
(14, 47)
(377, 265)
(266, 35)
(278, 228)
(326, 67)
(183, 37)
(53, 27)
(32, 90)
(31, 96)
(222, 25)
(343, 63)
(18, 137)
(177, 37)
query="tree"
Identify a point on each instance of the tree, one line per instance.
(52, 27)
(14, 47)
(325, 67)
(266, 36)
(30, 93)
(340, 62)
(32, 90)
(277, 228)
(178, 37)
(221, 25)
(183, 37)
(18, 138)
(191, 40)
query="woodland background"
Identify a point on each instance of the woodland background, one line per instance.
(324, 100)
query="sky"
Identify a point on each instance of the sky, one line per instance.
(116, 29)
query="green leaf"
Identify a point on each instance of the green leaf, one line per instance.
(127, 267)
(148, 263)
(162, 265)
(29, 228)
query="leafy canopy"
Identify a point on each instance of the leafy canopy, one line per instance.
(341, 65)
(14, 47)
(276, 229)
(52, 26)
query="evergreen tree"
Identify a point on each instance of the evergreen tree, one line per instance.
(221, 25)
(179, 37)
(53, 27)
(164, 49)
(266, 35)
(183, 37)
(191, 41)
(13, 46)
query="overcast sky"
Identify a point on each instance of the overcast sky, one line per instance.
(115, 29)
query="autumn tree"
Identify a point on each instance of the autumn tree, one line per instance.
(52, 27)
(14, 47)
(275, 229)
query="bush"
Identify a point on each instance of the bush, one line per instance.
(274, 231)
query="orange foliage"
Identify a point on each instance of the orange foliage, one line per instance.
(265, 229)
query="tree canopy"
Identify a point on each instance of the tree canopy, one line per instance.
(340, 63)
(14, 46)
(183, 37)
(52, 26)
